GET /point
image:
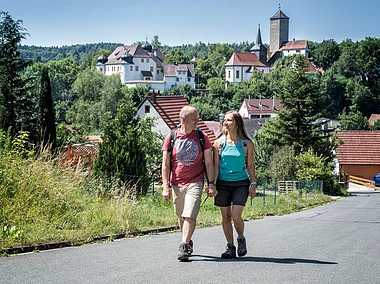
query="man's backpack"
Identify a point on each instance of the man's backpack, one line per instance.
(222, 144)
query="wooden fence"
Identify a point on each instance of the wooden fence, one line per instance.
(79, 155)
(362, 181)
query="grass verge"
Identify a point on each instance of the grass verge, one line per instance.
(41, 203)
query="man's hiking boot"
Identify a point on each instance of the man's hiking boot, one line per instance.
(230, 252)
(183, 252)
(242, 246)
(191, 246)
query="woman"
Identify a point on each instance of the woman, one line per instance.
(235, 179)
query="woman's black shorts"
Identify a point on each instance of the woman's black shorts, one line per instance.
(231, 192)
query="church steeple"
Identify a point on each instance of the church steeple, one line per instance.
(259, 49)
(258, 38)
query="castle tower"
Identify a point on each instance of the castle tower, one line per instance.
(279, 30)
(259, 49)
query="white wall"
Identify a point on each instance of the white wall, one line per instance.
(155, 85)
(294, 51)
(243, 75)
(160, 126)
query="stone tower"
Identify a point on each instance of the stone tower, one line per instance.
(259, 49)
(279, 30)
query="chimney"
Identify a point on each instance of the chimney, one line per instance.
(154, 97)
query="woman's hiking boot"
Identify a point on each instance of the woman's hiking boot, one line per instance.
(191, 246)
(242, 246)
(230, 252)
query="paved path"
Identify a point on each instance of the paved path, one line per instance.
(335, 243)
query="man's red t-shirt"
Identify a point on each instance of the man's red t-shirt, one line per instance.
(187, 158)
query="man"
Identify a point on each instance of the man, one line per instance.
(183, 171)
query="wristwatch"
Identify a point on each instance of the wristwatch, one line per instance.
(253, 182)
(211, 182)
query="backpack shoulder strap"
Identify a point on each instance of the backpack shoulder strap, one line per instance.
(173, 136)
(244, 142)
(201, 138)
(221, 144)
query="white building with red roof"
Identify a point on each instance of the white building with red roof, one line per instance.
(241, 65)
(260, 108)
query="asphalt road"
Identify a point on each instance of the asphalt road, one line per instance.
(335, 243)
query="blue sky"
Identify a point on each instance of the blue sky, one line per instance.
(68, 22)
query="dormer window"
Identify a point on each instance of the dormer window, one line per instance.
(147, 109)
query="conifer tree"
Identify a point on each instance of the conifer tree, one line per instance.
(122, 154)
(46, 117)
(297, 125)
(12, 92)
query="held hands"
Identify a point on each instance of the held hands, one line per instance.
(211, 190)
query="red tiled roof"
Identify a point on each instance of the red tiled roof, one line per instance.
(373, 118)
(244, 59)
(313, 69)
(294, 44)
(169, 108)
(262, 105)
(94, 139)
(359, 147)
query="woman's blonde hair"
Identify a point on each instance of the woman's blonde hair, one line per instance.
(241, 131)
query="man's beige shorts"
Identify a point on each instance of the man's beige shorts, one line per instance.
(187, 200)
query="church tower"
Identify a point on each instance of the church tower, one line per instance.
(279, 30)
(259, 49)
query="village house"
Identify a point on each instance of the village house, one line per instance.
(358, 154)
(260, 108)
(143, 65)
(166, 109)
(240, 66)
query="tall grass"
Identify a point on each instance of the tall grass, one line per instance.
(41, 202)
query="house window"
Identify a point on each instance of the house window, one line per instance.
(255, 116)
(147, 60)
(142, 59)
(237, 74)
(152, 69)
(177, 79)
(131, 68)
(136, 68)
(158, 71)
(188, 79)
(147, 109)
(229, 74)
(265, 116)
